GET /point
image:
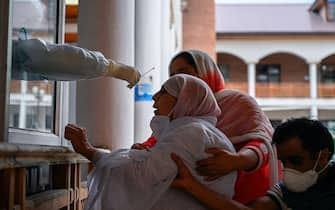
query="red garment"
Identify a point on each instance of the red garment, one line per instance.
(150, 142)
(253, 184)
(214, 80)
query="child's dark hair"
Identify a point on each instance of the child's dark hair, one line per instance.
(187, 57)
(313, 135)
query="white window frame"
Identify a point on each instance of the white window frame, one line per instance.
(61, 105)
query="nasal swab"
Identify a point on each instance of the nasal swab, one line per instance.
(152, 68)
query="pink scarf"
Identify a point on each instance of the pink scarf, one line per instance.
(242, 119)
(207, 70)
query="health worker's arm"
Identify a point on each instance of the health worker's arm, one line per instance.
(35, 59)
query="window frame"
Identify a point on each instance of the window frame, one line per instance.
(61, 99)
(330, 10)
(5, 51)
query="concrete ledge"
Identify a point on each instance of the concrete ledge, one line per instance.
(19, 155)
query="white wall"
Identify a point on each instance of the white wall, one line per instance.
(313, 51)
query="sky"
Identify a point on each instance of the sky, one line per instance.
(263, 1)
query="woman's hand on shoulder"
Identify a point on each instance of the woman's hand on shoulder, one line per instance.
(221, 163)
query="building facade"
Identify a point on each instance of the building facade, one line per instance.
(284, 55)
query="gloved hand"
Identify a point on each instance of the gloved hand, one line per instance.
(124, 72)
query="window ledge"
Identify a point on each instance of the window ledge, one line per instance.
(54, 199)
(19, 155)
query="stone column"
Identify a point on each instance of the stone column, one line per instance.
(252, 79)
(106, 106)
(313, 89)
(147, 55)
(23, 105)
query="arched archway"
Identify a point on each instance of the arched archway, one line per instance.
(282, 74)
(234, 70)
(326, 77)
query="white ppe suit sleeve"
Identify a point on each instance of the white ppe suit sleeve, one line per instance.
(35, 59)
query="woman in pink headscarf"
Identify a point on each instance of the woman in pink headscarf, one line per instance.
(198, 64)
(250, 131)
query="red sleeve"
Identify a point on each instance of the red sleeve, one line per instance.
(261, 150)
(150, 142)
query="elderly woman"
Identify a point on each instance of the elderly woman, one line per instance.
(184, 123)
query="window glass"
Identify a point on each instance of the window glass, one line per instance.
(326, 78)
(268, 73)
(224, 69)
(327, 73)
(331, 10)
(32, 101)
(327, 117)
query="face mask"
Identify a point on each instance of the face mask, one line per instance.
(159, 122)
(297, 181)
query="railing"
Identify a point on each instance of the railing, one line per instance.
(326, 90)
(242, 86)
(283, 89)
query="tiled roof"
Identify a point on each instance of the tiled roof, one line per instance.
(270, 19)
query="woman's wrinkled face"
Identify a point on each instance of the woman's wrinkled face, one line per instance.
(163, 102)
(180, 65)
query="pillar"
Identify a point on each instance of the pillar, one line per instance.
(147, 55)
(106, 106)
(252, 79)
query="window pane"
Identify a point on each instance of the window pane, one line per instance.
(326, 78)
(268, 73)
(32, 102)
(327, 117)
(331, 10)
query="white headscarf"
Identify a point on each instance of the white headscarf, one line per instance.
(242, 119)
(194, 97)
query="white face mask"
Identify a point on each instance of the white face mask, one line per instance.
(159, 122)
(297, 181)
